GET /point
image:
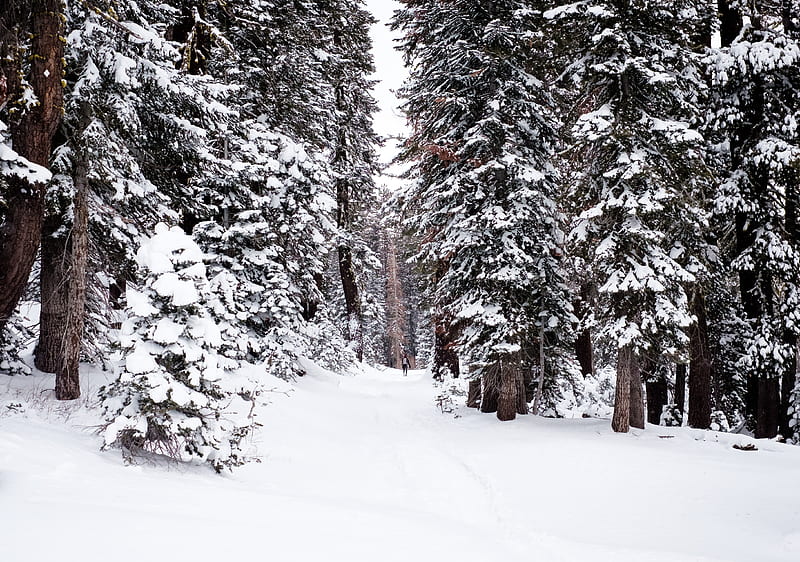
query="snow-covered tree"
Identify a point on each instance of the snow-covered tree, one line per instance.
(353, 159)
(484, 205)
(140, 133)
(756, 79)
(639, 174)
(172, 395)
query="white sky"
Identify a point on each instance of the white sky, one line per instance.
(390, 71)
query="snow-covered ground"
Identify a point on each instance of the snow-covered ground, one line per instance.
(366, 468)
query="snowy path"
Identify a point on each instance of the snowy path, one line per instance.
(365, 469)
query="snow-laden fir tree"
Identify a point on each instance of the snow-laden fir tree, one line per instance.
(172, 395)
(639, 175)
(756, 80)
(484, 204)
(276, 227)
(268, 259)
(140, 133)
(353, 158)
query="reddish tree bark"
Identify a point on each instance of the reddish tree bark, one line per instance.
(32, 134)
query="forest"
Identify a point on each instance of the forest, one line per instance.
(607, 191)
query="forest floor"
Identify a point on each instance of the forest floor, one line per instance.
(366, 468)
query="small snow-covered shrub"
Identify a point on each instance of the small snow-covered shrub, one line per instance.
(671, 416)
(719, 422)
(448, 392)
(172, 395)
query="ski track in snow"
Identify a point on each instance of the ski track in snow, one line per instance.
(365, 468)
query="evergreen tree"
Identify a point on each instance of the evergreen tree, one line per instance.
(126, 106)
(756, 85)
(172, 397)
(484, 203)
(640, 173)
(353, 151)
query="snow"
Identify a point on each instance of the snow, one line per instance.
(365, 468)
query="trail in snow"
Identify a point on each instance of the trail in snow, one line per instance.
(365, 468)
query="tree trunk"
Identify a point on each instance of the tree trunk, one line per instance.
(32, 136)
(522, 403)
(445, 358)
(768, 414)
(474, 395)
(507, 398)
(77, 249)
(680, 388)
(354, 331)
(730, 23)
(583, 343)
(491, 392)
(54, 290)
(395, 308)
(584, 352)
(622, 396)
(699, 366)
(527, 383)
(656, 399)
(637, 396)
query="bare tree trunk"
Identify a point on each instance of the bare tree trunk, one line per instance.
(474, 395)
(584, 352)
(54, 291)
(354, 331)
(491, 392)
(445, 358)
(680, 388)
(32, 135)
(656, 399)
(768, 415)
(527, 383)
(522, 403)
(699, 366)
(540, 383)
(77, 249)
(583, 343)
(622, 396)
(637, 396)
(507, 399)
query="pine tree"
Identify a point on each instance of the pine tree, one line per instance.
(756, 82)
(485, 202)
(126, 105)
(354, 160)
(171, 396)
(638, 186)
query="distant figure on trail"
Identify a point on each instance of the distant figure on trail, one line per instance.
(405, 364)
